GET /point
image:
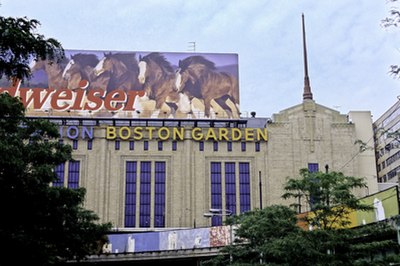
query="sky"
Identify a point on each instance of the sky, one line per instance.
(349, 52)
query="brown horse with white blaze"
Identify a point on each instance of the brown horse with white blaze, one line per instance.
(198, 77)
(122, 68)
(158, 79)
(80, 67)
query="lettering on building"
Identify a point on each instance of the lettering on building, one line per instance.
(179, 133)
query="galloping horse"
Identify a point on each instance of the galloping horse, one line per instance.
(78, 68)
(122, 68)
(158, 79)
(197, 77)
(53, 70)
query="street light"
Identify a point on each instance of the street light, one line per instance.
(222, 212)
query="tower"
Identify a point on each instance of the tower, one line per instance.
(307, 95)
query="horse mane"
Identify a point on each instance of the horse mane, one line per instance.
(196, 60)
(85, 59)
(63, 62)
(60, 63)
(160, 60)
(128, 59)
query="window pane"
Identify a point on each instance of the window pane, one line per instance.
(89, 144)
(174, 145)
(59, 170)
(131, 145)
(216, 191)
(230, 187)
(75, 144)
(73, 174)
(130, 194)
(215, 144)
(243, 146)
(257, 146)
(244, 184)
(229, 145)
(145, 194)
(159, 195)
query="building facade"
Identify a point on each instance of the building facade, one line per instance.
(387, 137)
(156, 173)
(160, 164)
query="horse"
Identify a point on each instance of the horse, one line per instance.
(122, 68)
(80, 67)
(198, 77)
(158, 79)
(53, 71)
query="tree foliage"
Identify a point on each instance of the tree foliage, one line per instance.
(20, 43)
(328, 195)
(41, 224)
(393, 20)
(268, 236)
(272, 236)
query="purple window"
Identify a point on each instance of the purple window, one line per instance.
(215, 145)
(145, 194)
(130, 194)
(244, 186)
(131, 145)
(257, 147)
(59, 170)
(145, 145)
(89, 144)
(160, 145)
(174, 145)
(313, 167)
(243, 146)
(75, 144)
(159, 195)
(73, 174)
(229, 145)
(230, 187)
(201, 146)
(216, 191)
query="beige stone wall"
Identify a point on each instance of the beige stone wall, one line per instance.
(311, 133)
(188, 179)
(306, 133)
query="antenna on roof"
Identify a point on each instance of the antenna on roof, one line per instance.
(307, 95)
(192, 46)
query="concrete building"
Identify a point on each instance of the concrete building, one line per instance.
(145, 173)
(142, 173)
(387, 137)
(161, 180)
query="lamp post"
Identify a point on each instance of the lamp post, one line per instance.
(222, 212)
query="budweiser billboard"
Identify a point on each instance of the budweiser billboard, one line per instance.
(132, 84)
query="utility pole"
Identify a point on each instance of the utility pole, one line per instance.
(260, 188)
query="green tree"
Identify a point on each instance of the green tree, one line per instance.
(268, 236)
(20, 43)
(272, 236)
(329, 196)
(40, 224)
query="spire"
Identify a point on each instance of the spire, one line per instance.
(307, 95)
